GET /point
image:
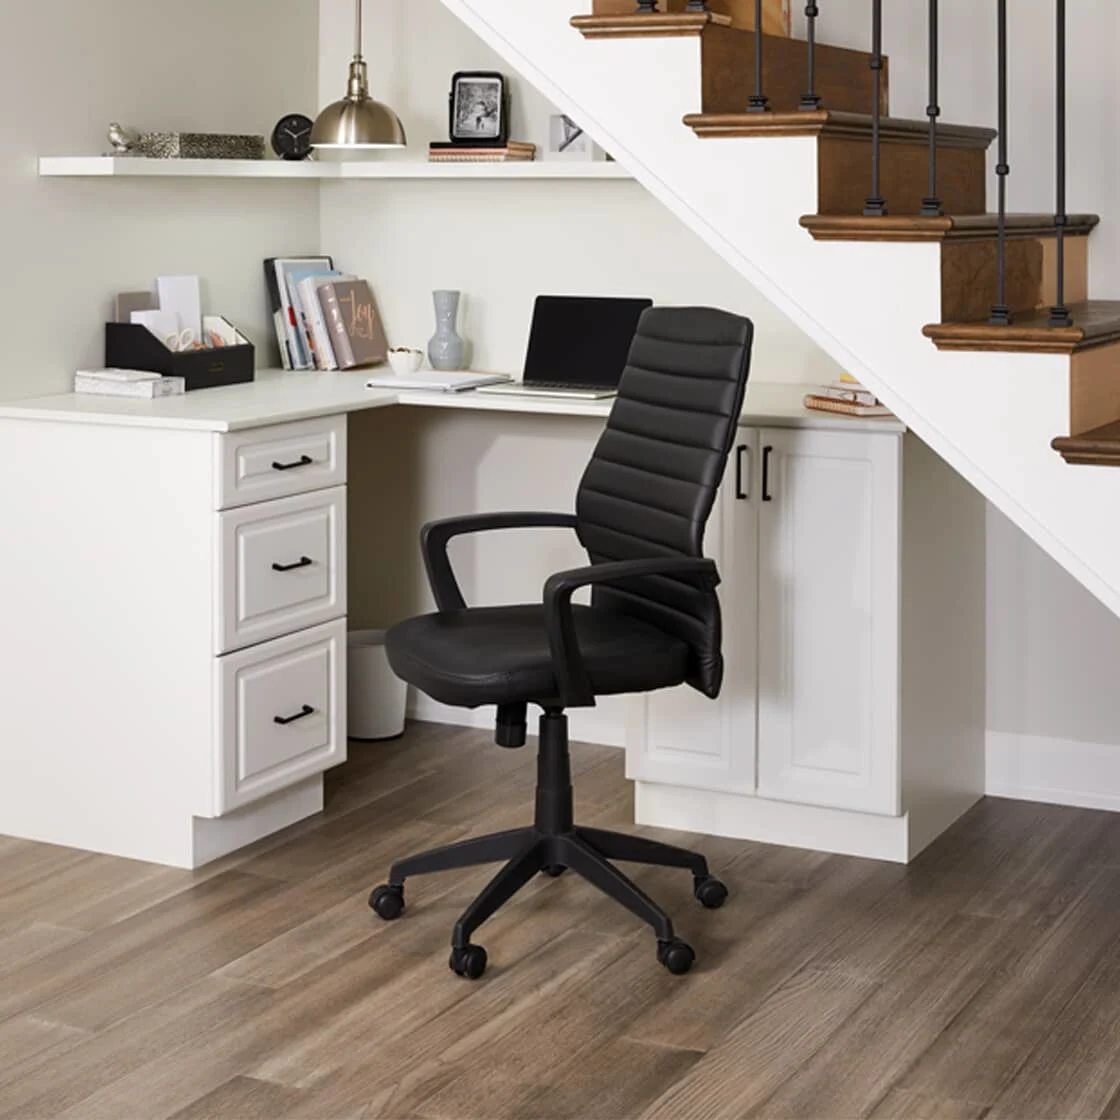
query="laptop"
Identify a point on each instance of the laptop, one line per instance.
(578, 346)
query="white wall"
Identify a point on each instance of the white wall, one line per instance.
(503, 243)
(68, 68)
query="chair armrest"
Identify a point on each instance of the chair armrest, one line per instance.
(436, 535)
(571, 673)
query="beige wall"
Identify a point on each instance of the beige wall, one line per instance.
(69, 67)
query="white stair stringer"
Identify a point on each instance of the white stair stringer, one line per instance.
(991, 416)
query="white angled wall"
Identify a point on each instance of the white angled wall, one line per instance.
(67, 69)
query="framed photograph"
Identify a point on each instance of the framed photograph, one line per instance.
(567, 140)
(479, 108)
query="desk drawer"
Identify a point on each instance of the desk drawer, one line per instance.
(282, 567)
(281, 714)
(264, 463)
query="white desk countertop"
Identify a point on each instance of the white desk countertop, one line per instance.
(276, 397)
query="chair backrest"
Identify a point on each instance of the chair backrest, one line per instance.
(652, 481)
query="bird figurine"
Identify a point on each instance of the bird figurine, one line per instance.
(124, 140)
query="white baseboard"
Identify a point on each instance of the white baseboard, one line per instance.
(1056, 771)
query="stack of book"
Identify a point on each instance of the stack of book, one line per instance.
(513, 151)
(847, 397)
(324, 319)
(127, 383)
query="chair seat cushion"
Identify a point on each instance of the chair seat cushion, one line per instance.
(500, 655)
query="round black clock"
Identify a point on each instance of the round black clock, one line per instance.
(291, 138)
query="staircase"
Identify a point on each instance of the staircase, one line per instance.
(901, 301)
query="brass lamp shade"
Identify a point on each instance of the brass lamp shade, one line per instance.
(357, 123)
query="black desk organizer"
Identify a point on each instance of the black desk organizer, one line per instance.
(132, 346)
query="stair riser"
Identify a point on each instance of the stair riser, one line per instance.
(844, 176)
(844, 79)
(775, 13)
(969, 271)
(1094, 389)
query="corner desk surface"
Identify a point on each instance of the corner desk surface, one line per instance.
(279, 397)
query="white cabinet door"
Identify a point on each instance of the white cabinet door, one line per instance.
(829, 540)
(678, 736)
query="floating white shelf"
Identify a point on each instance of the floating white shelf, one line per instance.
(115, 166)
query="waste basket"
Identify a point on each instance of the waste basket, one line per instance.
(375, 694)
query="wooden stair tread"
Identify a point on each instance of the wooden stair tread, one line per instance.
(1099, 447)
(656, 25)
(830, 122)
(1096, 322)
(950, 227)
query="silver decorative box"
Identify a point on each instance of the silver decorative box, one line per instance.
(199, 145)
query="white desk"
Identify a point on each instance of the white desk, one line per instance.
(159, 619)
(281, 398)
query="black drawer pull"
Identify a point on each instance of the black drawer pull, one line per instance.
(766, 453)
(303, 713)
(302, 562)
(741, 452)
(302, 461)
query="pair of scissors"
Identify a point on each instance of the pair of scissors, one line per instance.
(180, 341)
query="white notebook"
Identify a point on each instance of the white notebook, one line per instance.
(435, 381)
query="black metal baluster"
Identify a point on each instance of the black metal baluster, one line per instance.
(1001, 314)
(876, 205)
(931, 204)
(1059, 313)
(647, 7)
(759, 102)
(697, 6)
(810, 99)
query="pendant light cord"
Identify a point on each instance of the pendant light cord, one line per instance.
(358, 29)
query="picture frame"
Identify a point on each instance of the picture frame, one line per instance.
(478, 109)
(568, 141)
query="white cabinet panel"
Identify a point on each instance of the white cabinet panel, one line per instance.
(281, 714)
(829, 619)
(282, 567)
(678, 736)
(265, 463)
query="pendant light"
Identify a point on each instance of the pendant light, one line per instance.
(357, 123)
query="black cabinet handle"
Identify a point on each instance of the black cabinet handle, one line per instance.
(766, 453)
(303, 713)
(302, 461)
(741, 453)
(302, 562)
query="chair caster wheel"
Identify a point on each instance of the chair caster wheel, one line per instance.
(469, 962)
(676, 955)
(554, 870)
(710, 893)
(387, 902)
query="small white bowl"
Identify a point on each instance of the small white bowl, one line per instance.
(405, 361)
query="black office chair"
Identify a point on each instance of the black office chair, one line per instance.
(653, 622)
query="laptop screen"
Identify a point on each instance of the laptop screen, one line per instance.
(581, 340)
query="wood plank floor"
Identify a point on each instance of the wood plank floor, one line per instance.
(983, 980)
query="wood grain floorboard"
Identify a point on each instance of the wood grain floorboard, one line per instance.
(995, 1034)
(899, 1105)
(242, 1097)
(983, 980)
